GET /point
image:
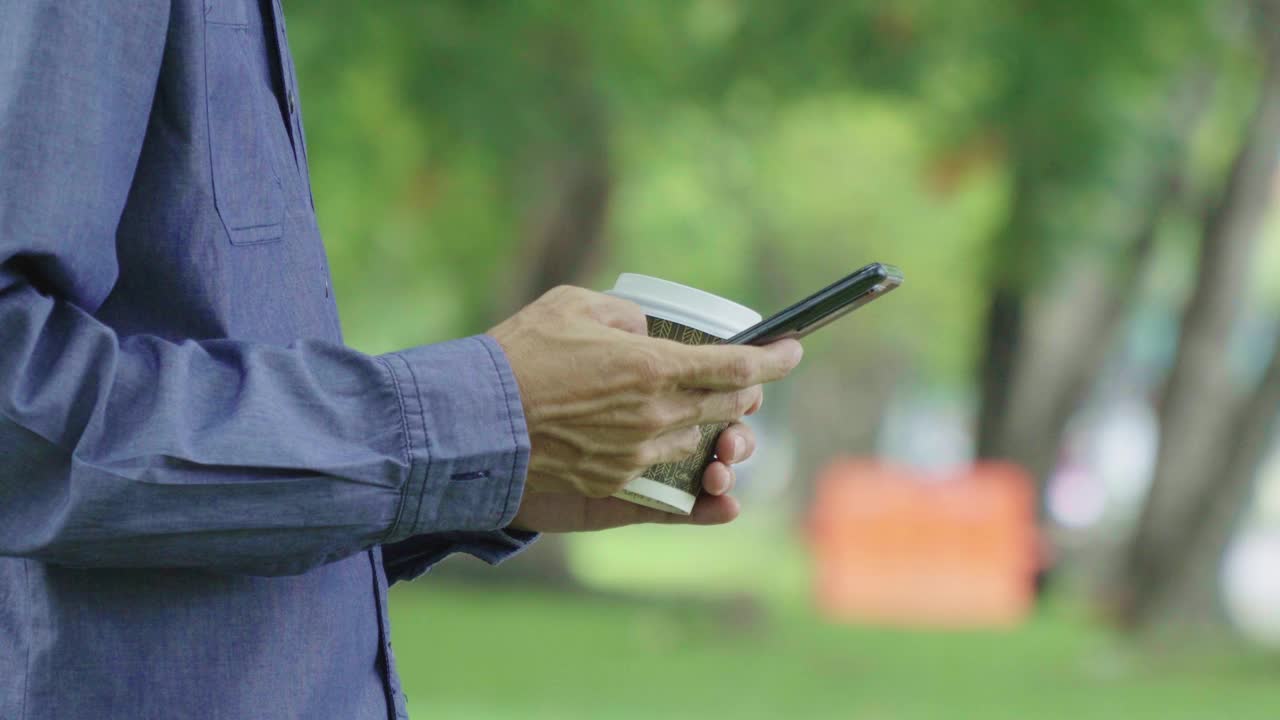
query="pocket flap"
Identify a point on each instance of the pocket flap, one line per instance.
(226, 12)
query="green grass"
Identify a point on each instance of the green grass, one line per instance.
(476, 654)
(479, 653)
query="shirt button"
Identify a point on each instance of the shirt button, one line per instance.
(293, 103)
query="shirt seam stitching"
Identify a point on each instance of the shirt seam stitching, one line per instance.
(406, 445)
(426, 441)
(26, 677)
(511, 426)
(389, 684)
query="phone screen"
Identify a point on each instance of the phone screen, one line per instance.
(823, 307)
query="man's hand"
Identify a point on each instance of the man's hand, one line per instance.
(550, 512)
(604, 401)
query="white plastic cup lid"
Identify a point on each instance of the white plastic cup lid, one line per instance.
(682, 304)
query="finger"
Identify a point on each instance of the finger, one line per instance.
(574, 513)
(735, 444)
(718, 479)
(713, 510)
(608, 513)
(737, 367)
(707, 510)
(559, 513)
(673, 446)
(720, 407)
(612, 513)
(620, 314)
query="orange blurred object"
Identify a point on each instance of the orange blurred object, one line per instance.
(901, 547)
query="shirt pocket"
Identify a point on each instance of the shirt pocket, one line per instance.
(247, 190)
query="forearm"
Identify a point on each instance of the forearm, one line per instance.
(253, 458)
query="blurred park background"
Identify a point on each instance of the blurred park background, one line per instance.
(1040, 481)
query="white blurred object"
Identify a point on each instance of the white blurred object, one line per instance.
(928, 431)
(1075, 498)
(1251, 584)
(766, 475)
(1108, 457)
(1124, 453)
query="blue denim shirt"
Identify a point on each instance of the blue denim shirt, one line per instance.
(203, 494)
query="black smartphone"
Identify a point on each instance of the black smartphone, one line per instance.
(823, 307)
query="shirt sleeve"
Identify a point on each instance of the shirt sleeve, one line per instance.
(412, 558)
(415, 555)
(143, 451)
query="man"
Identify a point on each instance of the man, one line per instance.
(203, 495)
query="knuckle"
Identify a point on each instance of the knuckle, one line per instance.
(559, 291)
(651, 369)
(657, 417)
(641, 458)
(618, 312)
(649, 423)
(741, 370)
(679, 416)
(692, 440)
(624, 307)
(569, 295)
(634, 315)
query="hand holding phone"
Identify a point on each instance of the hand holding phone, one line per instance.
(823, 307)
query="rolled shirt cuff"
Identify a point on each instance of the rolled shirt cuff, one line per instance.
(467, 441)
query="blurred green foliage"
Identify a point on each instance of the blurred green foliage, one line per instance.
(832, 133)
(759, 149)
(427, 122)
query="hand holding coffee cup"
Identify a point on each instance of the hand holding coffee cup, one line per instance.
(604, 403)
(691, 317)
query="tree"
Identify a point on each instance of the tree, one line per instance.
(1068, 84)
(1068, 335)
(1192, 502)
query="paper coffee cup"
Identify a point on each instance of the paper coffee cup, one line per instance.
(691, 316)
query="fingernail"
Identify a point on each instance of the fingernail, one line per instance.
(798, 353)
(739, 445)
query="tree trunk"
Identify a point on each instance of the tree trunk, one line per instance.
(567, 232)
(1192, 586)
(1066, 346)
(836, 409)
(567, 220)
(1004, 323)
(1003, 339)
(1196, 412)
(1067, 339)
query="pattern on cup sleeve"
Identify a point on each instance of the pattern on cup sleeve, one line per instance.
(685, 475)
